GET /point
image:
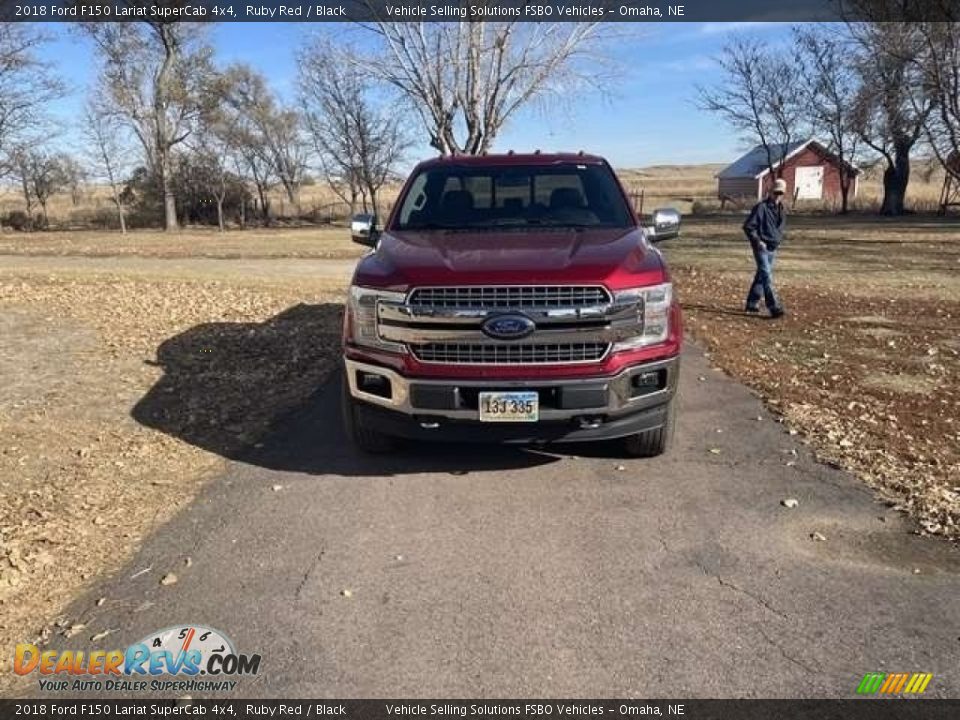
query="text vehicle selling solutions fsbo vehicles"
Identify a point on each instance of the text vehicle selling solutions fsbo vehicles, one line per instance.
(512, 298)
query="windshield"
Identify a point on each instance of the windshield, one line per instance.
(560, 195)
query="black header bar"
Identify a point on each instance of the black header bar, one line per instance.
(864, 709)
(449, 10)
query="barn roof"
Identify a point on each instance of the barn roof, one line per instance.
(754, 163)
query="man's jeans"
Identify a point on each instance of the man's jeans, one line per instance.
(763, 280)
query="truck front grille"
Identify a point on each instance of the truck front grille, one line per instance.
(503, 354)
(511, 297)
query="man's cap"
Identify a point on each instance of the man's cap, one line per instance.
(780, 185)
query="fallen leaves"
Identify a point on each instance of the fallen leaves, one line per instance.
(888, 412)
(74, 629)
(90, 479)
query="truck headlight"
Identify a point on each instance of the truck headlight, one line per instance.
(363, 305)
(653, 315)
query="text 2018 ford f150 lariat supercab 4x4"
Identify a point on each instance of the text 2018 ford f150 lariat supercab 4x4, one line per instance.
(512, 298)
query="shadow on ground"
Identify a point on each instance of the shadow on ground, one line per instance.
(267, 394)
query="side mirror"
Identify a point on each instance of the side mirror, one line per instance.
(363, 229)
(666, 225)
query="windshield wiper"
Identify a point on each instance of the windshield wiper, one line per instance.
(429, 226)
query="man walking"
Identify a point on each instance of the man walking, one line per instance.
(764, 228)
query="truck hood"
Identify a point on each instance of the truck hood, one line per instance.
(616, 257)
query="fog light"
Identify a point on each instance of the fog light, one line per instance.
(647, 382)
(374, 384)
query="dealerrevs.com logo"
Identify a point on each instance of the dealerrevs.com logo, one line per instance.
(201, 658)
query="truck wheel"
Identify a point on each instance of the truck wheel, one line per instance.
(368, 440)
(653, 442)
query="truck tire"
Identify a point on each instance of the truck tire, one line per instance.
(653, 442)
(365, 438)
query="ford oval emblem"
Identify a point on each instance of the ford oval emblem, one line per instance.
(508, 327)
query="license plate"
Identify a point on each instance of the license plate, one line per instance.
(509, 407)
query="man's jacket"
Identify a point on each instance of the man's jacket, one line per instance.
(766, 223)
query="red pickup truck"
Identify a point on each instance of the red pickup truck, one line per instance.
(512, 298)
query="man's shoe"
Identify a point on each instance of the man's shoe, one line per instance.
(751, 309)
(777, 313)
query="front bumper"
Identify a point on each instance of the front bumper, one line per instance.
(583, 409)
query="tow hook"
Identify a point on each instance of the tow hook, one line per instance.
(590, 423)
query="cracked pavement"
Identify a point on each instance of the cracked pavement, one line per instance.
(479, 571)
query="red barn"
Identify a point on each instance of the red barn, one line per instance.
(812, 173)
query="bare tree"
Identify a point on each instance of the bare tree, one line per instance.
(357, 142)
(760, 95)
(75, 175)
(108, 154)
(241, 89)
(884, 112)
(829, 88)
(888, 116)
(48, 178)
(41, 175)
(939, 66)
(465, 80)
(154, 75)
(274, 132)
(215, 143)
(18, 164)
(26, 85)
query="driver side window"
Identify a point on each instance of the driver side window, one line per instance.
(416, 198)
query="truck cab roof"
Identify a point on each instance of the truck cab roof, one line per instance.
(511, 158)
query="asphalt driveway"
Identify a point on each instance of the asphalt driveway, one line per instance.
(484, 571)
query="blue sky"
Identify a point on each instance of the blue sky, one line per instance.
(647, 116)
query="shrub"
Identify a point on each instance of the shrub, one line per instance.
(103, 217)
(18, 220)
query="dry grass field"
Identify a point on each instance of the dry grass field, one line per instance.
(693, 188)
(688, 188)
(193, 242)
(866, 368)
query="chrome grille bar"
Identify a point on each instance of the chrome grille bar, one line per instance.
(503, 354)
(511, 297)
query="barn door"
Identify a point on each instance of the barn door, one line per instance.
(809, 182)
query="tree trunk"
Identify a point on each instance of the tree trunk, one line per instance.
(293, 195)
(169, 200)
(220, 213)
(845, 181)
(896, 176)
(264, 205)
(123, 221)
(374, 203)
(353, 202)
(46, 218)
(243, 212)
(28, 198)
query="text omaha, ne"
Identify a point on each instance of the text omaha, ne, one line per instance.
(531, 10)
